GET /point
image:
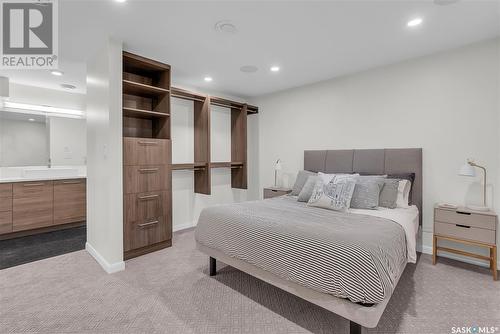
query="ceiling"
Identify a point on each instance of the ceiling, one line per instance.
(310, 41)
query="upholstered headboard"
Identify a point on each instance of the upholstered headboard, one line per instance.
(377, 161)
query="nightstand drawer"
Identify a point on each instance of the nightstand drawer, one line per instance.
(270, 193)
(466, 218)
(465, 232)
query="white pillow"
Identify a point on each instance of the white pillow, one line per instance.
(403, 194)
(334, 194)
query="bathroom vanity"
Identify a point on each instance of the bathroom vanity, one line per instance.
(30, 205)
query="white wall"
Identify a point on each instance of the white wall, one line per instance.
(187, 205)
(68, 141)
(447, 104)
(104, 158)
(23, 143)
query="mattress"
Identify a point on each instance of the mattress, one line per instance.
(349, 255)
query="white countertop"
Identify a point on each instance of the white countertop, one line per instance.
(27, 179)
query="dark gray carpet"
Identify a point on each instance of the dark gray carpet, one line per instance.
(169, 291)
(14, 252)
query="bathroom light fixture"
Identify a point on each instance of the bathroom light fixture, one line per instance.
(275, 68)
(208, 79)
(31, 119)
(40, 108)
(57, 73)
(415, 22)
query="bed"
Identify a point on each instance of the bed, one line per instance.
(348, 263)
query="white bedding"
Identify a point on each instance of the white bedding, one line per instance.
(408, 218)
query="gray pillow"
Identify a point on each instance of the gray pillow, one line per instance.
(300, 181)
(366, 193)
(307, 189)
(389, 194)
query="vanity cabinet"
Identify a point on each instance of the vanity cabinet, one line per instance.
(32, 205)
(40, 206)
(70, 201)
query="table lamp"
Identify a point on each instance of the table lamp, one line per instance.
(469, 170)
(277, 167)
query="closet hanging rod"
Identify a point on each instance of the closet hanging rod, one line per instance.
(225, 105)
(189, 98)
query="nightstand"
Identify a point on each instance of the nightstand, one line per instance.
(469, 227)
(271, 192)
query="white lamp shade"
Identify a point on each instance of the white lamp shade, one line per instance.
(467, 170)
(278, 166)
(4, 87)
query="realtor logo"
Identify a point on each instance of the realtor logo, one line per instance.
(29, 34)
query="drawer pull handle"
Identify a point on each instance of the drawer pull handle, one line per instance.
(464, 226)
(147, 143)
(148, 197)
(148, 170)
(71, 182)
(34, 184)
(148, 224)
(274, 191)
(463, 213)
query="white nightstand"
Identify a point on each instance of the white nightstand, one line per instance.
(477, 228)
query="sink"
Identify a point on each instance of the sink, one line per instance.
(45, 172)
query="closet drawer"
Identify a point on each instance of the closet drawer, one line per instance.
(146, 151)
(465, 218)
(146, 178)
(32, 206)
(147, 232)
(147, 206)
(465, 232)
(5, 222)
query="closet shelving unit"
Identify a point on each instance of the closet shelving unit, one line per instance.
(146, 156)
(202, 165)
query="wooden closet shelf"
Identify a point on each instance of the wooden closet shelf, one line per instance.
(140, 113)
(226, 164)
(187, 95)
(134, 61)
(189, 166)
(136, 88)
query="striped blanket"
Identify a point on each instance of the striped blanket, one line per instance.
(347, 255)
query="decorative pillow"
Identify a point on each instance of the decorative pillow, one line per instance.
(334, 195)
(405, 176)
(389, 194)
(366, 193)
(403, 199)
(300, 181)
(307, 189)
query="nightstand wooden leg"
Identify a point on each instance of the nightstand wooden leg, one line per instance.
(434, 249)
(493, 252)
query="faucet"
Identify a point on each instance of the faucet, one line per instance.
(49, 165)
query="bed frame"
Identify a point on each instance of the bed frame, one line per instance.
(366, 161)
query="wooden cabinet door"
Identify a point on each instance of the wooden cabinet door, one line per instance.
(5, 197)
(32, 205)
(70, 201)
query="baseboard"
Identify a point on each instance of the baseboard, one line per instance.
(428, 250)
(110, 268)
(183, 226)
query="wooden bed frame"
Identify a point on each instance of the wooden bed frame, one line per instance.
(378, 161)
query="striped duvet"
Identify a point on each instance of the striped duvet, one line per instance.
(347, 255)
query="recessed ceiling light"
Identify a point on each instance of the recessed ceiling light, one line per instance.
(68, 86)
(208, 79)
(31, 119)
(120, 0)
(415, 22)
(57, 73)
(225, 26)
(275, 68)
(249, 69)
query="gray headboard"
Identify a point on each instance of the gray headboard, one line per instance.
(377, 161)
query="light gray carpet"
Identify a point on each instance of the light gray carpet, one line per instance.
(169, 292)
